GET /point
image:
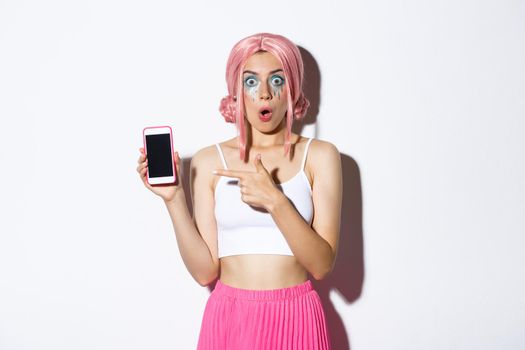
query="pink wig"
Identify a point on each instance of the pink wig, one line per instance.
(232, 106)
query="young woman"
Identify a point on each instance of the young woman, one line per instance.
(266, 209)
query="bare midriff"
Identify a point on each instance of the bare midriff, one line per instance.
(261, 271)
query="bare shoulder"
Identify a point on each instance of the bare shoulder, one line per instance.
(321, 152)
(206, 158)
(203, 162)
(322, 146)
(323, 160)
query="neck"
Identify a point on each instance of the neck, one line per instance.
(257, 139)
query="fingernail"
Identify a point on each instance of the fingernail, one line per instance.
(214, 172)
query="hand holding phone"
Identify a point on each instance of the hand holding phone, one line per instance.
(163, 178)
(159, 152)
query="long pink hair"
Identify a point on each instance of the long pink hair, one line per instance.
(232, 106)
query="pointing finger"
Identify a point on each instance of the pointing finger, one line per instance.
(231, 173)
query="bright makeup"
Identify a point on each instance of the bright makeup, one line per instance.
(265, 114)
(252, 84)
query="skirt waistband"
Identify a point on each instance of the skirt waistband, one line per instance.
(265, 294)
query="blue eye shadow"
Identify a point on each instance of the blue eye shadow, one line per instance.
(251, 90)
(277, 88)
(279, 77)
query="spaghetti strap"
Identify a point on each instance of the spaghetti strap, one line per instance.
(222, 156)
(305, 153)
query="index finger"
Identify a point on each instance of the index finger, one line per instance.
(240, 174)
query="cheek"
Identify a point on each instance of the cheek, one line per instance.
(282, 99)
(251, 92)
(278, 91)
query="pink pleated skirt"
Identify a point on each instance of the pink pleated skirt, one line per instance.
(285, 318)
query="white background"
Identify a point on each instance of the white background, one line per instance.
(424, 100)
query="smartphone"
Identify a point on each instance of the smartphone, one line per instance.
(158, 145)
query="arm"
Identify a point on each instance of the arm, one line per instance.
(315, 247)
(196, 238)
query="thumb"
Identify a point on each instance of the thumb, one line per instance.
(176, 159)
(259, 165)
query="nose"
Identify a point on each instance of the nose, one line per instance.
(264, 92)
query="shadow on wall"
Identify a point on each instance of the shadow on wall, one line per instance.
(347, 276)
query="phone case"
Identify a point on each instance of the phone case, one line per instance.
(171, 146)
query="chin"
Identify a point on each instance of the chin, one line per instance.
(265, 128)
(273, 129)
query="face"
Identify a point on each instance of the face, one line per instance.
(264, 86)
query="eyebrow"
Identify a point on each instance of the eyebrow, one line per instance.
(252, 72)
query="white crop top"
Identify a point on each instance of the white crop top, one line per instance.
(242, 229)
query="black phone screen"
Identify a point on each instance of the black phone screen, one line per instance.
(159, 155)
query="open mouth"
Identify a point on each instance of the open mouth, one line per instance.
(265, 114)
